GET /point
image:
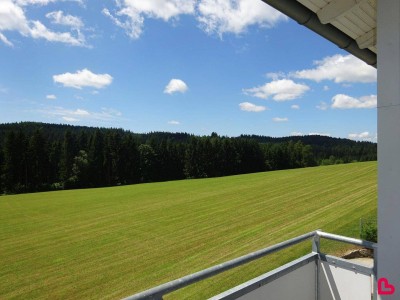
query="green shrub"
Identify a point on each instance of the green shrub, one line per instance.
(369, 232)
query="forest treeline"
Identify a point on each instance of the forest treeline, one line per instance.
(42, 157)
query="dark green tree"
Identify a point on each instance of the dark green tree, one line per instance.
(147, 162)
(38, 161)
(68, 152)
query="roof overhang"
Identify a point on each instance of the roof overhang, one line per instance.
(350, 24)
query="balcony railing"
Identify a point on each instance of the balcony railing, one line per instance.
(313, 276)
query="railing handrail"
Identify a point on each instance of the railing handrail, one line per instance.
(158, 291)
(345, 239)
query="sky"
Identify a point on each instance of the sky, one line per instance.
(198, 66)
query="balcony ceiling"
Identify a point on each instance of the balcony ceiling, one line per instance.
(350, 24)
(356, 18)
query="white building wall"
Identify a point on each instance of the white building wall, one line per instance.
(388, 19)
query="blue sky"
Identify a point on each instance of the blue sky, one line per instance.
(197, 66)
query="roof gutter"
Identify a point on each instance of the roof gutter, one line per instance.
(309, 19)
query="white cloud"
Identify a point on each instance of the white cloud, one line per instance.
(214, 16)
(58, 17)
(43, 2)
(339, 68)
(83, 78)
(342, 101)
(79, 114)
(173, 122)
(38, 30)
(5, 40)
(110, 113)
(69, 119)
(322, 106)
(227, 16)
(51, 97)
(276, 75)
(363, 136)
(296, 133)
(280, 119)
(130, 14)
(326, 88)
(295, 106)
(175, 86)
(12, 18)
(280, 90)
(247, 106)
(319, 133)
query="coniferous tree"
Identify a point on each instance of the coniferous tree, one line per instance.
(38, 161)
(96, 159)
(15, 163)
(68, 152)
(130, 160)
(147, 162)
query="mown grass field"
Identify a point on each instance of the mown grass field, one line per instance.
(110, 243)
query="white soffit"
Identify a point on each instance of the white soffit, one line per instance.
(356, 18)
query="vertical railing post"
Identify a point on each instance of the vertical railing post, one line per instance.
(316, 242)
(316, 249)
(375, 275)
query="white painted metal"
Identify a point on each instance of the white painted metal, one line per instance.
(389, 142)
(336, 283)
(298, 285)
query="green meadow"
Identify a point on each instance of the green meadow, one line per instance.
(110, 243)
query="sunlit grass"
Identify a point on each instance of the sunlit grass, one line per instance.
(110, 243)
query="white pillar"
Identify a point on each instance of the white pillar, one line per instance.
(388, 20)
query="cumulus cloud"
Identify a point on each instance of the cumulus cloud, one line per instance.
(130, 14)
(173, 122)
(176, 86)
(363, 136)
(280, 90)
(280, 119)
(58, 17)
(342, 101)
(214, 16)
(12, 18)
(247, 106)
(339, 68)
(51, 97)
(83, 78)
(227, 16)
(295, 106)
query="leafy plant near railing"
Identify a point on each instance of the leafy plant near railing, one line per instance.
(369, 231)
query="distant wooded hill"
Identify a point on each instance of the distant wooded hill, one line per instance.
(39, 156)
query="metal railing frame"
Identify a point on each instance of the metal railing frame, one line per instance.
(158, 292)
